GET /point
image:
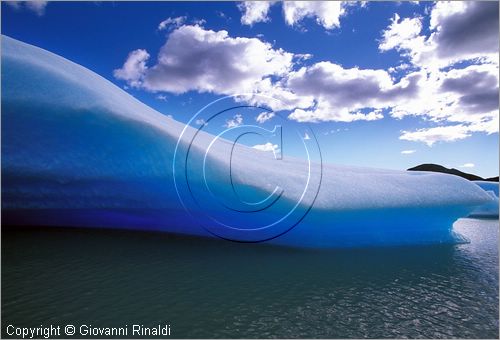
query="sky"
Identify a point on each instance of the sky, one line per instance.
(381, 84)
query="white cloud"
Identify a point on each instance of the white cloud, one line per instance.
(277, 96)
(301, 57)
(36, 6)
(471, 93)
(134, 68)
(465, 96)
(306, 136)
(432, 135)
(266, 147)
(460, 100)
(222, 15)
(488, 125)
(465, 30)
(467, 165)
(161, 97)
(451, 133)
(326, 13)
(346, 95)
(328, 92)
(400, 33)
(264, 116)
(201, 122)
(408, 152)
(327, 114)
(172, 22)
(199, 22)
(398, 68)
(460, 30)
(237, 120)
(254, 11)
(206, 61)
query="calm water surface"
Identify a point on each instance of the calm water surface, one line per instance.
(205, 288)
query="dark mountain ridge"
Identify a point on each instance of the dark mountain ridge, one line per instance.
(439, 168)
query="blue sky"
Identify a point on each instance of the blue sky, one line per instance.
(379, 79)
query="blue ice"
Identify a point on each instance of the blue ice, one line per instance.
(489, 209)
(79, 151)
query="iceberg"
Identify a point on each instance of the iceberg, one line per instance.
(78, 151)
(490, 209)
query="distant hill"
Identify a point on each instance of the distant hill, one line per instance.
(440, 168)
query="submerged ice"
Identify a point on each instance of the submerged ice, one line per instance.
(79, 151)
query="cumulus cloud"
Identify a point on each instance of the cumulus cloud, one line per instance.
(436, 134)
(236, 121)
(467, 165)
(326, 91)
(134, 68)
(460, 30)
(408, 152)
(205, 61)
(254, 11)
(201, 121)
(400, 33)
(450, 92)
(325, 13)
(267, 147)
(488, 125)
(171, 22)
(399, 68)
(475, 87)
(277, 96)
(468, 96)
(465, 29)
(36, 6)
(342, 94)
(328, 114)
(457, 99)
(264, 116)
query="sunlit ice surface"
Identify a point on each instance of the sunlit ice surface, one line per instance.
(78, 151)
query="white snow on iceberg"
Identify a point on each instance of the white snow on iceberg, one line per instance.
(79, 151)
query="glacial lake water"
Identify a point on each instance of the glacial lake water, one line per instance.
(206, 288)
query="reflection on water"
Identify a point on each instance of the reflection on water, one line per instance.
(207, 288)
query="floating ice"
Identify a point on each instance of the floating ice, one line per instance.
(79, 151)
(490, 209)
